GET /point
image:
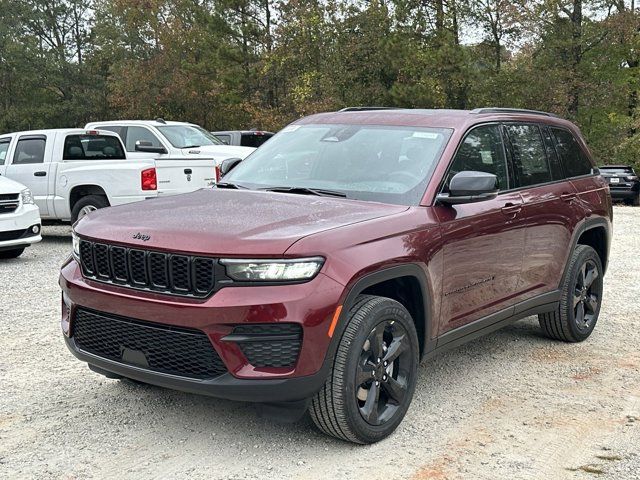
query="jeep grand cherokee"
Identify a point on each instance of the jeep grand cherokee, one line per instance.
(345, 250)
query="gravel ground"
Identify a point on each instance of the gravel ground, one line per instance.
(510, 405)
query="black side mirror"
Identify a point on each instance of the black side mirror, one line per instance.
(229, 164)
(148, 147)
(470, 187)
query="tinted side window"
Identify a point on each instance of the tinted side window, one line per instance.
(29, 150)
(574, 159)
(529, 156)
(252, 140)
(482, 150)
(4, 147)
(554, 162)
(140, 134)
(90, 147)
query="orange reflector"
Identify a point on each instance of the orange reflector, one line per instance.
(334, 321)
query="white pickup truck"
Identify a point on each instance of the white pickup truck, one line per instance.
(72, 172)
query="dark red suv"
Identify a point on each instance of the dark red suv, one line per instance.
(337, 256)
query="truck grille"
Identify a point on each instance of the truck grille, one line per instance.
(9, 202)
(160, 348)
(148, 270)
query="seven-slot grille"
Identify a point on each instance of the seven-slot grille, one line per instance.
(143, 269)
(9, 202)
(161, 348)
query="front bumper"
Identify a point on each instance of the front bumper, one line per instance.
(18, 224)
(311, 305)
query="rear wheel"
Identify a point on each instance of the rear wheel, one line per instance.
(576, 317)
(15, 253)
(86, 205)
(636, 200)
(374, 373)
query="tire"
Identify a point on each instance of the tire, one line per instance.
(86, 204)
(577, 314)
(636, 200)
(15, 253)
(339, 408)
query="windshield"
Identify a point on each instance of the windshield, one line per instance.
(188, 136)
(365, 162)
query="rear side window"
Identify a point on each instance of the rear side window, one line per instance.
(574, 159)
(115, 129)
(140, 134)
(226, 139)
(554, 162)
(29, 150)
(529, 155)
(92, 147)
(482, 150)
(253, 140)
(4, 147)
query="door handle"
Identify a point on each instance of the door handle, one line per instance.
(568, 197)
(188, 171)
(39, 174)
(511, 208)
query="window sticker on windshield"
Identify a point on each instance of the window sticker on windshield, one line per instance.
(430, 135)
(290, 128)
(486, 156)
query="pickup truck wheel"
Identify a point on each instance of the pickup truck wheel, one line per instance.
(373, 376)
(87, 205)
(576, 317)
(15, 253)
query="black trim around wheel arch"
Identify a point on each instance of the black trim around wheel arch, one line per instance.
(388, 273)
(224, 386)
(547, 302)
(589, 224)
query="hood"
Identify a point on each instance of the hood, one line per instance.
(220, 152)
(227, 222)
(9, 186)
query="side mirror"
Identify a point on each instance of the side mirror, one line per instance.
(470, 187)
(148, 147)
(229, 164)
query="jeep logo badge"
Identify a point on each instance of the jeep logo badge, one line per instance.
(140, 236)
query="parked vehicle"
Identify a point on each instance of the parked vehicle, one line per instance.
(624, 183)
(246, 138)
(346, 249)
(160, 139)
(72, 172)
(19, 217)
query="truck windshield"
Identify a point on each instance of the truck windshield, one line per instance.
(188, 136)
(364, 162)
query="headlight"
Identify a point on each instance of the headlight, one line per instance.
(75, 240)
(273, 270)
(27, 198)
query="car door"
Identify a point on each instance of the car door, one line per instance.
(30, 165)
(550, 208)
(5, 143)
(483, 242)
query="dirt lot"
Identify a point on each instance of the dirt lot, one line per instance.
(511, 405)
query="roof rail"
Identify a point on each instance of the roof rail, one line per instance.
(366, 109)
(512, 110)
(160, 120)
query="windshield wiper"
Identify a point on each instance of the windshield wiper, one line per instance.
(322, 192)
(233, 186)
(191, 146)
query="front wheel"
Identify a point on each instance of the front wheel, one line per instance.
(577, 314)
(374, 373)
(636, 200)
